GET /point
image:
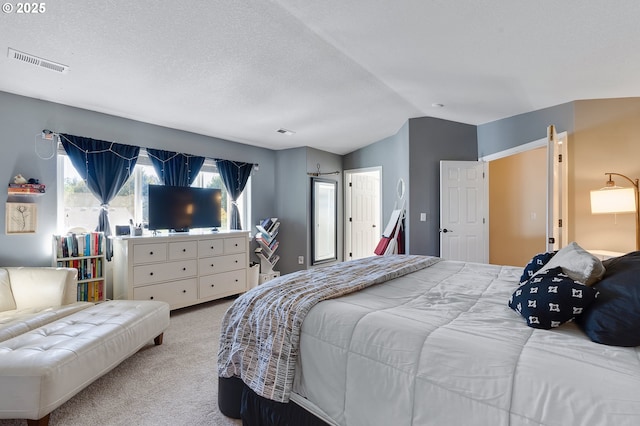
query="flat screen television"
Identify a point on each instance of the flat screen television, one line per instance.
(179, 208)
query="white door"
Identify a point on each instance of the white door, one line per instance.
(463, 211)
(557, 199)
(362, 211)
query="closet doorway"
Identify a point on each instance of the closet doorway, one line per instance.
(362, 209)
(528, 203)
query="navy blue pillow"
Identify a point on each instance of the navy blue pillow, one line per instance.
(534, 265)
(551, 298)
(614, 319)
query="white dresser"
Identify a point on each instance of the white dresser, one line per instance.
(181, 270)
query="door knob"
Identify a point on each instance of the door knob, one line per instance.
(445, 230)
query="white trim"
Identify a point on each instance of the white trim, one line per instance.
(515, 150)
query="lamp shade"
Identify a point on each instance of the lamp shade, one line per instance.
(613, 200)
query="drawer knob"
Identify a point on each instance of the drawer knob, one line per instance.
(151, 297)
(236, 280)
(212, 265)
(236, 244)
(213, 285)
(150, 273)
(150, 253)
(184, 250)
(184, 269)
(184, 291)
(211, 247)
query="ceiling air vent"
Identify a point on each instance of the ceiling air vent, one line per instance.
(285, 132)
(34, 60)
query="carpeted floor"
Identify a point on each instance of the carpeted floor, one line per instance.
(172, 384)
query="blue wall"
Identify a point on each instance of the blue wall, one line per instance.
(22, 119)
(520, 129)
(281, 186)
(414, 154)
(430, 141)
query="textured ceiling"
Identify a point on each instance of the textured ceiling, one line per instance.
(340, 73)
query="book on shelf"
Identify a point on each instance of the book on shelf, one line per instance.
(76, 245)
(91, 291)
(269, 225)
(26, 188)
(268, 239)
(271, 247)
(88, 268)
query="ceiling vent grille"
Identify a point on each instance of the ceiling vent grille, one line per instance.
(34, 60)
(285, 131)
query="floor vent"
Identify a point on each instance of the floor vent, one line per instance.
(34, 60)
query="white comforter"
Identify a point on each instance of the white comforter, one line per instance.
(441, 347)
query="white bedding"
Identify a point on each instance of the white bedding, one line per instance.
(441, 347)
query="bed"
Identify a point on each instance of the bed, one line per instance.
(435, 343)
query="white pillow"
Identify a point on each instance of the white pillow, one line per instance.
(578, 263)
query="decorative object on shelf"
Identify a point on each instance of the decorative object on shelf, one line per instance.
(84, 252)
(266, 238)
(19, 179)
(21, 218)
(617, 199)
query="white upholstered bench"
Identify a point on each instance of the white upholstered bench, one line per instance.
(43, 368)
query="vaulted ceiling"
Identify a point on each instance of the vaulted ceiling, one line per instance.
(339, 73)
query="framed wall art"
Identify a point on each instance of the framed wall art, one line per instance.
(21, 218)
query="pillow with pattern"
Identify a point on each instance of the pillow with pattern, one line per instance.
(551, 298)
(535, 264)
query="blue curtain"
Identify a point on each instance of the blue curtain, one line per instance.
(105, 167)
(235, 176)
(174, 168)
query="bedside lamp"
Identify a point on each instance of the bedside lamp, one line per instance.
(617, 199)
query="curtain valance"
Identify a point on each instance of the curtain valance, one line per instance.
(175, 168)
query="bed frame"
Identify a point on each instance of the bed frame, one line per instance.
(238, 401)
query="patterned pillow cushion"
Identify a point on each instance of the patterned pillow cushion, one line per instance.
(535, 264)
(551, 298)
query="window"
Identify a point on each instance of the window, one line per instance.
(78, 208)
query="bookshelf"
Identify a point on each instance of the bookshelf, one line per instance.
(84, 252)
(267, 244)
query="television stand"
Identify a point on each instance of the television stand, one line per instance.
(181, 269)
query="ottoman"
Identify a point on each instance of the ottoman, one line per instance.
(43, 368)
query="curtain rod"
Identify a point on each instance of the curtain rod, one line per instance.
(49, 134)
(318, 173)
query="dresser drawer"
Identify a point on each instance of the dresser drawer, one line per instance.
(235, 245)
(183, 250)
(214, 265)
(146, 274)
(146, 253)
(207, 248)
(226, 283)
(174, 293)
